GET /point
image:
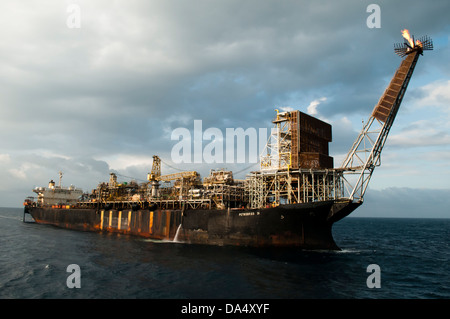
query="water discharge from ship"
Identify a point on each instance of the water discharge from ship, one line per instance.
(175, 239)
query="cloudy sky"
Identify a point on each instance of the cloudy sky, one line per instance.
(105, 95)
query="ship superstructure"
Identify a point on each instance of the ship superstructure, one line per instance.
(57, 195)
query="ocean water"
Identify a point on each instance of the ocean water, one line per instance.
(412, 256)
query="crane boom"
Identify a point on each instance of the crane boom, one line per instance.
(155, 174)
(180, 175)
(365, 154)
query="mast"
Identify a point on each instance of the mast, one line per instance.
(60, 178)
(365, 154)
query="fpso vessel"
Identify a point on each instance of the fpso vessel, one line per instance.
(291, 201)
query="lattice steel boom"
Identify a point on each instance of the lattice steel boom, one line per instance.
(365, 154)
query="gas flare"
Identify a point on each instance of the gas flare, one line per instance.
(407, 36)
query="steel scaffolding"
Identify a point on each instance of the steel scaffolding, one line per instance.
(292, 187)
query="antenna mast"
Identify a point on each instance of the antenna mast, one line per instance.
(60, 178)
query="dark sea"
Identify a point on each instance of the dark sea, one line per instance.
(412, 256)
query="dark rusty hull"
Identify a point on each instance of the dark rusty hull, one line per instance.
(305, 226)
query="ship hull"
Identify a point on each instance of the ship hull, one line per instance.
(307, 226)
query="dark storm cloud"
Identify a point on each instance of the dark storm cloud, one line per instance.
(211, 60)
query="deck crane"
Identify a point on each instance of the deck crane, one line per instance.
(154, 177)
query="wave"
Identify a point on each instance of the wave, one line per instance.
(13, 218)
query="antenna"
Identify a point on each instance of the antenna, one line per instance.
(60, 178)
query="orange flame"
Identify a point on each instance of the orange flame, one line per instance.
(407, 36)
(418, 43)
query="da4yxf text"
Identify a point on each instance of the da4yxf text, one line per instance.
(247, 308)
